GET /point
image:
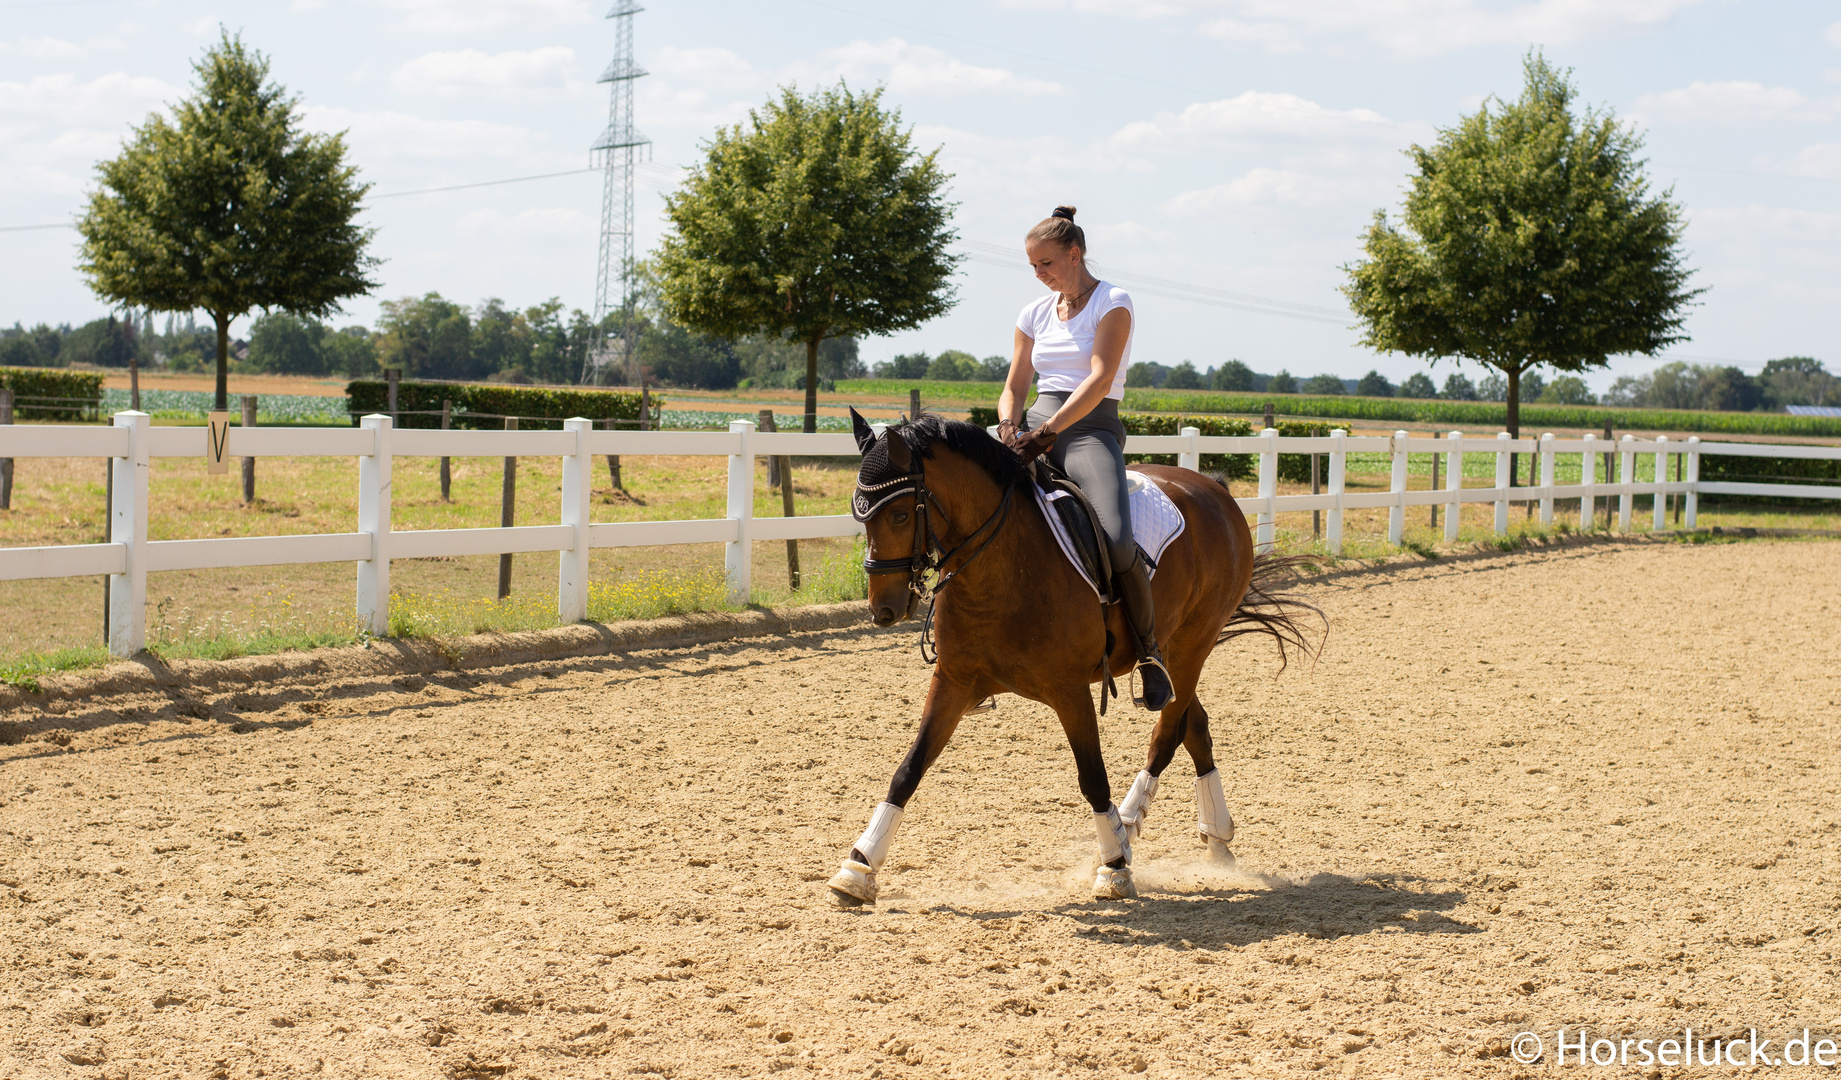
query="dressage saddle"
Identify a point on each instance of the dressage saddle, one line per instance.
(1081, 522)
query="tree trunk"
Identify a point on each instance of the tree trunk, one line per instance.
(222, 318)
(1514, 417)
(811, 385)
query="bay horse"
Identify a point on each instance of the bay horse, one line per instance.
(1012, 615)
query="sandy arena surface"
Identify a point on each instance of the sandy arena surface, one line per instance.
(1593, 785)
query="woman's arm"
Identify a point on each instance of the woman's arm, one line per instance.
(1014, 401)
(1108, 349)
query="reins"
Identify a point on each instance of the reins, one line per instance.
(922, 558)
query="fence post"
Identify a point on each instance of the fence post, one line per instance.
(738, 554)
(447, 423)
(508, 510)
(1316, 488)
(572, 563)
(374, 518)
(1268, 487)
(6, 464)
(128, 527)
(1338, 463)
(1626, 480)
(766, 423)
(1693, 492)
(1396, 514)
(249, 463)
(1588, 478)
(1505, 475)
(913, 402)
(1661, 507)
(1610, 473)
(1192, 457)
(1433, 486)
(645, 406)
(1678, 498)
(1454, 483)
(393, 377)
(1547, 480)
(780, 472)
(613, 460)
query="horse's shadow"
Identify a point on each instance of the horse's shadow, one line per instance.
(1324, 906)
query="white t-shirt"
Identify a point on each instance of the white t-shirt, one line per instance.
(1063, 353)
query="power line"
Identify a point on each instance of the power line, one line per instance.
(29, 228)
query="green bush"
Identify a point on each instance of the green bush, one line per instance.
(53, 393)
(484, 406)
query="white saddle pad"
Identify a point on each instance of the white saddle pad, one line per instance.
(1155, 521)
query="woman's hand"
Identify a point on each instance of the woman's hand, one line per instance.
(1030, 445)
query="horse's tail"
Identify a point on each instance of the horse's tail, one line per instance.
(1266, 609)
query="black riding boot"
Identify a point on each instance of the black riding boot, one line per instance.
(1133, 587)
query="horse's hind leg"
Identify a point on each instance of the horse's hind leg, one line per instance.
(1212, 821)
(1172, 725)
(855, 881)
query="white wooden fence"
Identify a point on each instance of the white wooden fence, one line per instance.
(133, 444)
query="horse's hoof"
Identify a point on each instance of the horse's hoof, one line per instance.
(1114, 884)
(1219, 853)
(854, 884)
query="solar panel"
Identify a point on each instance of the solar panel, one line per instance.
(1814, 410)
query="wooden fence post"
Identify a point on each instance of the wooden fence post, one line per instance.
(782, 466)
(393, 376)
(6, 464)
(447, 422)
(773, 462)
(1433, 486)
(645, 408)
(508, 502)
(913, 402)
(249, 463)
(613, 460)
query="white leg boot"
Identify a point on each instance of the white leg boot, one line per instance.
(1213, 822)
(855, 882)
(1112, 883)
(1137, 800)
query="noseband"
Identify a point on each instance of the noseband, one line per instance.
(927, 553)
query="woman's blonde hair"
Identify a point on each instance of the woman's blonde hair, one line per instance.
(1059, 228)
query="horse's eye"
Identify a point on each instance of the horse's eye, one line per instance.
(901, 518)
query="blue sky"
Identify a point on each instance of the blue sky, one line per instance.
(1238, 145)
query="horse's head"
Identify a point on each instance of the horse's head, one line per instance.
(887, 503)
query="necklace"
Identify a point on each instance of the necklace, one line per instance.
(1070, 302)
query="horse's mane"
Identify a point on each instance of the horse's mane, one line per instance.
(969, 441)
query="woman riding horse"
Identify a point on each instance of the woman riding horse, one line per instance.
(1077, 341)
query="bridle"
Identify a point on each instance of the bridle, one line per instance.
(927, 554)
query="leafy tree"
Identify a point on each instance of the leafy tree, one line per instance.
(993, 369)
(428, 337)
(1374, 384)
(1418, 385)
(1282, 383)
(813, 220)
(1146, 373)
(953, 366)
(1529, 238)
(1325, 384)
(1799, 380)
(350, 352)
(1183, 377)
(1458, 388)
(228, 207)
(1233, 377)
(904, 366)
(105, 342)
(680, 357)
(1567, 390)
(1493, 387)
(287, 345)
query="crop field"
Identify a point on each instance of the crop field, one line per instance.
(1590, 785)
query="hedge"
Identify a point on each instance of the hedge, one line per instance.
(483, 406)
(1728, 469)
(59, 394)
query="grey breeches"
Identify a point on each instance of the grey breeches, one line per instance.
(1092, 452)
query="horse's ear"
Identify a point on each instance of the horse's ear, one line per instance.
(866, 437)
(899, 455)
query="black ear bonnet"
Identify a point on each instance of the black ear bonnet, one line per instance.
(878, 480)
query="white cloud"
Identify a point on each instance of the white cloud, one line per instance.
(384, 134)
(1732, 103)
(536, 73)
(1820, 160)
(1833, 33)
(1258, 116)
(114, 99)
(1268, 186)
(706, 66)
(43, 48)
(535, 223)
(919, 70)
(473, 16)
(1405, 28)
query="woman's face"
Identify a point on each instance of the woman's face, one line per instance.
(1057, 266)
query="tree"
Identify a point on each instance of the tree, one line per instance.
(428, 337)
(1374, 384)
(1282, 383)
(1418, 385)
(228, 207)
(993, 369)
(287, 345)
(904, 366)
(1799, 380)
(1233, 376)
(1325, 385)
(953, 366)
(1529, 237)
(1493, 387)
(1183, 377)
(813, 220)
(1458, 388)
(1567, 390)
(1146, 374)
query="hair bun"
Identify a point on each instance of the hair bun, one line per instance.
(1066, 213)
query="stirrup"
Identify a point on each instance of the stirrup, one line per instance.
(1159, 690)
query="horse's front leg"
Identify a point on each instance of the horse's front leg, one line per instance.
(1166, 736)
(1112, 878)
(947, 701)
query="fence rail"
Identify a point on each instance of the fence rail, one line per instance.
(132, 444)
